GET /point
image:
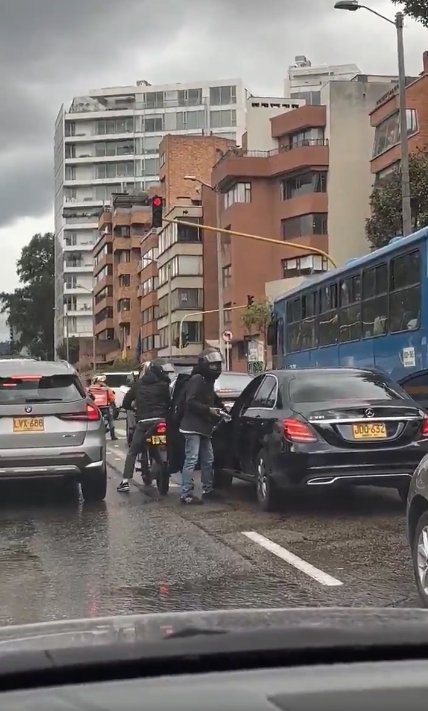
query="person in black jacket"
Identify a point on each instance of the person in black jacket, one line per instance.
(151, 395)
(201, 413)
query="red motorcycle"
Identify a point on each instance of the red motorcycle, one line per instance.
(157, 457)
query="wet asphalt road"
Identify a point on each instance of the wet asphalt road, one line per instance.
(136, 553)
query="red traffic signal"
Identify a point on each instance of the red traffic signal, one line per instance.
(157, 211)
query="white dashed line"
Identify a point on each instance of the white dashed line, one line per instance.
(293, 559)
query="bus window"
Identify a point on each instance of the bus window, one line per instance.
(375, 301)
(405, 295)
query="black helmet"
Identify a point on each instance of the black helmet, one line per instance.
(161, 368)
(210, 363)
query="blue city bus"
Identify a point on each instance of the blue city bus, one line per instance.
(372, 312)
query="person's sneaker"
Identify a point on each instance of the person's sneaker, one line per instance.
(211, 495)
(113, 437)
(190, 500)
(123, 487)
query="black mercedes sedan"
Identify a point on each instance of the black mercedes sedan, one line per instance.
(321, 428)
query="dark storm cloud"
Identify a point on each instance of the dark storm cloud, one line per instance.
(51, 50)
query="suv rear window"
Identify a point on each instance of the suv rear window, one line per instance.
(23, 389)
(319, 387)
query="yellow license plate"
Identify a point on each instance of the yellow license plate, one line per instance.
(157, 439)
(369, 430)
(28, 424)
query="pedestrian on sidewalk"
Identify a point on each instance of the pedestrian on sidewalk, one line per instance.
(201, 412)
(152, 400)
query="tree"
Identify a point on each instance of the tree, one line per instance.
(123, 364)
(417, 9)
(30, 307)
(256, 317)
(73, 350)
(385, 202)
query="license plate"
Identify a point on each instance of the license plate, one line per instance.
(28, 424)
(157, 439)
(369, 430)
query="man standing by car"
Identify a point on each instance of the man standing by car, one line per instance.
(201, 411)
(104, 398)
(152, 399)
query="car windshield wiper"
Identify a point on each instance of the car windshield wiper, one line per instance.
(195, 632)
(44, 399)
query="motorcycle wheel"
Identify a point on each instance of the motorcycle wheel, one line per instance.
(162, 479)
(147, 479)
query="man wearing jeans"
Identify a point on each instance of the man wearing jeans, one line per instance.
(201, 412)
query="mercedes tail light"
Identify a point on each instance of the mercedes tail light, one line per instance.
(92, 414)
(424, 427)
(297, 431)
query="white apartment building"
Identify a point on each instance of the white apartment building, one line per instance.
(108, 142)
(305, 81)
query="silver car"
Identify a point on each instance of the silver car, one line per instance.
(49, 427)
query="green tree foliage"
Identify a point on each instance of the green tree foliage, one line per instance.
(418, 9)
(256, 318)
(30, 307)
(124, 364)
(385, 202)
(73, 350)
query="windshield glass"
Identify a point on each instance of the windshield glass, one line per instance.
(115, 380)
(25, 389)
(319, 387)
(235, 382)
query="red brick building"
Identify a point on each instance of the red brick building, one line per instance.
(385, 119)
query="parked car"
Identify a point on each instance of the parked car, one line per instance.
(230, 385)
(321, 428)
(417, 527)
(49, 428)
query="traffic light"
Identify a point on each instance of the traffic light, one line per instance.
(157, 211)
(250, 300)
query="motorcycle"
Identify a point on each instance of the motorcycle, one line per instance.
(157, 458)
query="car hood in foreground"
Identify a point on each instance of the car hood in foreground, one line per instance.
(154, 627)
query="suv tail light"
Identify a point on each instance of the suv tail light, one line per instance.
(92, 414)
(424, 427)
(297, 431)
(160, 428)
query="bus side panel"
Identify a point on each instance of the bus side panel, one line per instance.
(301, 359)
(401, 354)
(325, 357)
(357, 354)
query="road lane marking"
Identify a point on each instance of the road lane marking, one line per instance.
(292, 559)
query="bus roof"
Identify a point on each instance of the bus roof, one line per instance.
(394, 245)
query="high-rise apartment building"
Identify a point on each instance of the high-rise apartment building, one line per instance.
(305, 81)
(107, 142)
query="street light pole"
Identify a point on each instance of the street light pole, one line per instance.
(94, 337)
(67, 340)
(404, 142)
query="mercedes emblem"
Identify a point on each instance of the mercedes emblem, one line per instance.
(369, 413)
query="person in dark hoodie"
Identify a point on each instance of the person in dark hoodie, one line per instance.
(151, 395)
(201, 412)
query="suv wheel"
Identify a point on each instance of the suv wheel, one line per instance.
(266, 493)
(420, 557)
(94, 485)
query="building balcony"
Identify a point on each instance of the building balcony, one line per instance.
(103, 262)
(82, 247)
(107, 301)
(298, 120)
(78, 269)
(239, 164)
(104, 325)
(303, 205)
(82, 202)
(124, 316)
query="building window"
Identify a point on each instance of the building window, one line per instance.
(115, 148)
(312, 98)
(124, 280)
(149, 285)
(227, 276)
(114, 170)
(302, 266)
(315, 182)
(187, 299)
(124, 304)
(183, 265)
(304, 225)
(191, 333)
(220, 95)
(115, 126)
(223, 119)
(191, 120)
(227, 314)
(190, 97)
(186, 233)
(153, 124)
(307, 137)
(154, 100)
(241, 192)
(162, 160)
(387, 134)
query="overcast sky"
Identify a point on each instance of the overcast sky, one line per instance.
(51, 50)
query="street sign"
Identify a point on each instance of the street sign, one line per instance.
(227, 336)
